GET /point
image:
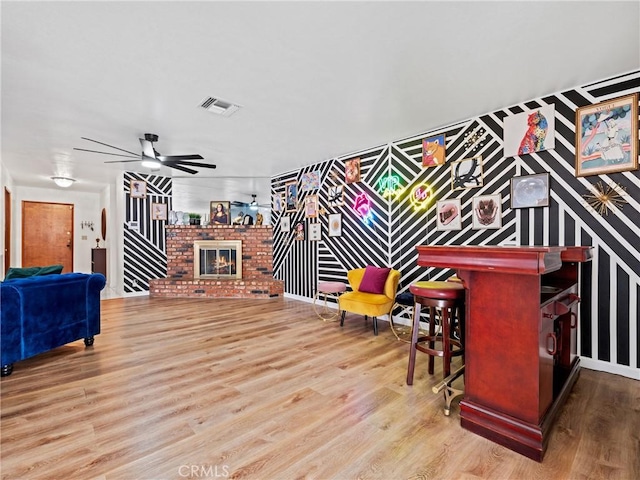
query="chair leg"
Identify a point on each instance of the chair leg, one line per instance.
(446, 344)
(375, 325)
(432, 335)
(412, 345)
(342, 318)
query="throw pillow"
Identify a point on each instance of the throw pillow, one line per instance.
(374, 279)
(50, 270)
(25, 272)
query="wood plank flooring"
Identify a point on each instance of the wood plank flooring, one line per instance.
(263, 389)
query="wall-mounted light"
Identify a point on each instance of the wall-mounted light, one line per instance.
(421, 196)
(362, 206)
(389, 186)
(63, 182)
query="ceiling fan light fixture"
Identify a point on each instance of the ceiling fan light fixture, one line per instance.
(151, 163)
(254, 204)
(63, 182)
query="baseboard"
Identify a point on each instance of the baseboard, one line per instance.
(600, 366)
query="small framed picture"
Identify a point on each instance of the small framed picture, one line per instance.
(352, 170)
(138, 189)
(291, 197)
(449, 214)
(311, 206)
(433, 153)
(530, 191)
(530, 132)
(607, 137)
(487, 211)
(285, 224)
(314, 231)
(309, 181)
(158, 211)
(278, 202)
(336, 196)
(220, 212)
(298, 229)
(466, 173)
(335, 224)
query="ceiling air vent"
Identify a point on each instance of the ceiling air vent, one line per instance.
(219, 107)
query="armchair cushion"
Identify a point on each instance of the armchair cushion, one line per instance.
(374, 279)
(25, 272)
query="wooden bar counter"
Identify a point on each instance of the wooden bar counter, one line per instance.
(520, 350)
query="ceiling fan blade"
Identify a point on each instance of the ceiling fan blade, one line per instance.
(184, 169)
(147, 148)
(107, 153)
(122, 161)
(107, 145)
(168, 158)
(190, 164)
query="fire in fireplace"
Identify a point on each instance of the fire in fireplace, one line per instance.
(217, 259)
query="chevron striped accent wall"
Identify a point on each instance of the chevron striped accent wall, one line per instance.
(609, 312)
(144, 247)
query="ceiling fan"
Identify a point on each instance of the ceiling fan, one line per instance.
(252, 205)
(150, 158)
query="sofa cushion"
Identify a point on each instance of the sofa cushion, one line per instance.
(25, 272)
(374, 279)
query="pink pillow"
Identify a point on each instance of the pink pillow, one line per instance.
(374, 279)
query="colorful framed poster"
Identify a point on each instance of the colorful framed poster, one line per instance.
(291, 197)
(336, 196)
(158, 211)
(530, 132)
(352, 170)
(335, 224)
(607, 137)
(449, 215)
(285, 224)
(311, 206)
(314, 231)
(277, 202)
(466, 173)
(220, 212)
(530, 191)
(433, 151)
(298, 228)
(487, 211)
(138, 189)
(309, 181)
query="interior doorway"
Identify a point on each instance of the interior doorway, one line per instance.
(47, 234)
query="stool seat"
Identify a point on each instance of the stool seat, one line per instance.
(438, 290)
(331, 287)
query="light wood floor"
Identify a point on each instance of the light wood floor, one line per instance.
(177, 388)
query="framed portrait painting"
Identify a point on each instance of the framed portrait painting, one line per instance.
(487, 211)
(159, 211)
(220, 212)
(278, 202)
(138, 189)
(352, 170)
(466, 173)
(449, 216)
(291, 197)
(298, 230)
(433, 151)
(335, 224)
(530, 191)
(607, 137)
(311, 206)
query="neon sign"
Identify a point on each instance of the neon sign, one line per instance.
(362, 206)
(389, 186)
(421, 196)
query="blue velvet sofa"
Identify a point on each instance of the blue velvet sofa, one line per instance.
(40, 313)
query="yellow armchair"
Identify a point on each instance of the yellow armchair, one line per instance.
(369, 304)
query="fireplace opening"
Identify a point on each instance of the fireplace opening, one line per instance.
(220, 259)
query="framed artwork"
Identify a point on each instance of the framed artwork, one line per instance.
(314, 231)
(285, 224)
(530, 191)
(433, 151)
(449, 215)
(291, 197)
(158, 211)
(487, 211)
(298, 228)
(335, 224)
(530, 132)
(607, 137)
(220, 212)
(310, 181)
(466, 173)
(352, 170)
(311, 206)
(336, 196)
(278, 202)
(138, 189)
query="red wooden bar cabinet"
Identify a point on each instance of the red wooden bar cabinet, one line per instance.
(520, 350)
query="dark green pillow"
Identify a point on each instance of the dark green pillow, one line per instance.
(24, 272)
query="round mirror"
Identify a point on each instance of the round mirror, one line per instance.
(104, 224)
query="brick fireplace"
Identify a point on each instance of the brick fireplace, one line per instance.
(255, 263)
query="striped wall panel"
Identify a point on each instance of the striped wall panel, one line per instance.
(144, 247)
(609, 312)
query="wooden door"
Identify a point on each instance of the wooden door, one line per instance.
(47, 234)
(7, 229)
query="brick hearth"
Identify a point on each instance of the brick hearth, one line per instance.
(257, 264)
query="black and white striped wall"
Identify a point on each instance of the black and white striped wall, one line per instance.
(609, 324)
(144, 238)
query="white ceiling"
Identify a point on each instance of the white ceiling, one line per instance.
(316, 80)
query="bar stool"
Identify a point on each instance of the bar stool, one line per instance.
(449, 297)
(328, 290)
